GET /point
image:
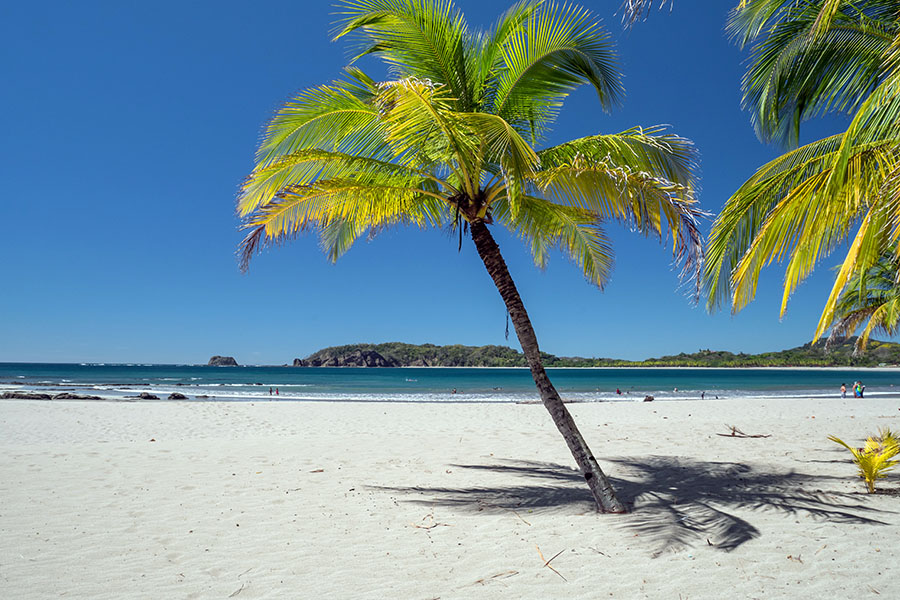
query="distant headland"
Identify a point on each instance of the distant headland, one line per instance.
(398, 354)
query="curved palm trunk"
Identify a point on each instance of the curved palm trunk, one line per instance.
(601, 489)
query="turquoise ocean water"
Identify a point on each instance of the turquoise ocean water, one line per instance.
(117, 382)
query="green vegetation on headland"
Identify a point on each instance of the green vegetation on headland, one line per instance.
(397, 354)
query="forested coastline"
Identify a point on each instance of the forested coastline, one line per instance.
(398, 354)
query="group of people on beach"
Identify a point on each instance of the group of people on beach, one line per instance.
(858, 389)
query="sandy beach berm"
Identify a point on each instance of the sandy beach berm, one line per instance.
(403, 500)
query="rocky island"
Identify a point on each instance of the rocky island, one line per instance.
(222, 361)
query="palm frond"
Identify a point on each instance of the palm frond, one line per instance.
(362, 205)
(502, 145)
(810, 61)
(558, 48)
(545, 226)
(419, 121)
(305, 166)
(787, 209)
(489, 49)
(645, 199)
(650, 150)
(425, 39)
(341, 116)
(637, 10)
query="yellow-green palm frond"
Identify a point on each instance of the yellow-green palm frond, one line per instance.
(827, 13)
(341, 116)
(871, 300)
(649, 150)
(642, 179)
(503, 147)
(873, 460)
(545, 226)
(744, 213)
(877, 120)
(752, 19)
(556, 49)
(787, 210)
(425, 39)
(489, 48)
(864, 252)
(341, 210)
(420, 123)
(650, 204)
(885, 318)
(305, 166)
(888, 440)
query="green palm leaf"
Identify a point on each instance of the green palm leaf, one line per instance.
(575, 232)
(814, 57)
(558, 48)
(426, 39)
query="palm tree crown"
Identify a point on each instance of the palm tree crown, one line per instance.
(450, 139)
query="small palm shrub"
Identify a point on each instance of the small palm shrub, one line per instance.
(874, 459)
(886, 438)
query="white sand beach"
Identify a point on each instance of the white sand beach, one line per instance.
(425, 501)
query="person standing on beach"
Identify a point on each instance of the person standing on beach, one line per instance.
(843, 391)
(860, 388)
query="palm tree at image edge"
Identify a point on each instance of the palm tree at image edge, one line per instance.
(449, 142)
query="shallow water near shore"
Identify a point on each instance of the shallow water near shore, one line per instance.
(435, 384)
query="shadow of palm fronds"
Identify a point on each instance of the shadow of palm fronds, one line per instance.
(676, 502)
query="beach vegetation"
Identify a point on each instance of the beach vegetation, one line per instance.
(875, 458)
(870, 303)
(808, 59)
(453, 139)
(886, 437)
(840, 352)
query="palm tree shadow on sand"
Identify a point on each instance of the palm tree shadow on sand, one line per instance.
(677, 502)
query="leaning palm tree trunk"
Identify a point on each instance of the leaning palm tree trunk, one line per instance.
(597, 481)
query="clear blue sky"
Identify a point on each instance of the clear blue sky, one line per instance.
(128, 127)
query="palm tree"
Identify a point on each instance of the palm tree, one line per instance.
(449, 142)
(809, 58)
(871, 301)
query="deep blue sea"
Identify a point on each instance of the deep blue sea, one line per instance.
(202, 383)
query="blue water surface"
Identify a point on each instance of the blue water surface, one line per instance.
(436, 384)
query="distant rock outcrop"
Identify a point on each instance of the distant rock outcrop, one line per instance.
(222, 361)
(71, 396)
(177, 396)
(24, 396)
(147, 396)
(359, 358)
(299, 362)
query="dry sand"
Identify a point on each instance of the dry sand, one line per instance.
(423, 501)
